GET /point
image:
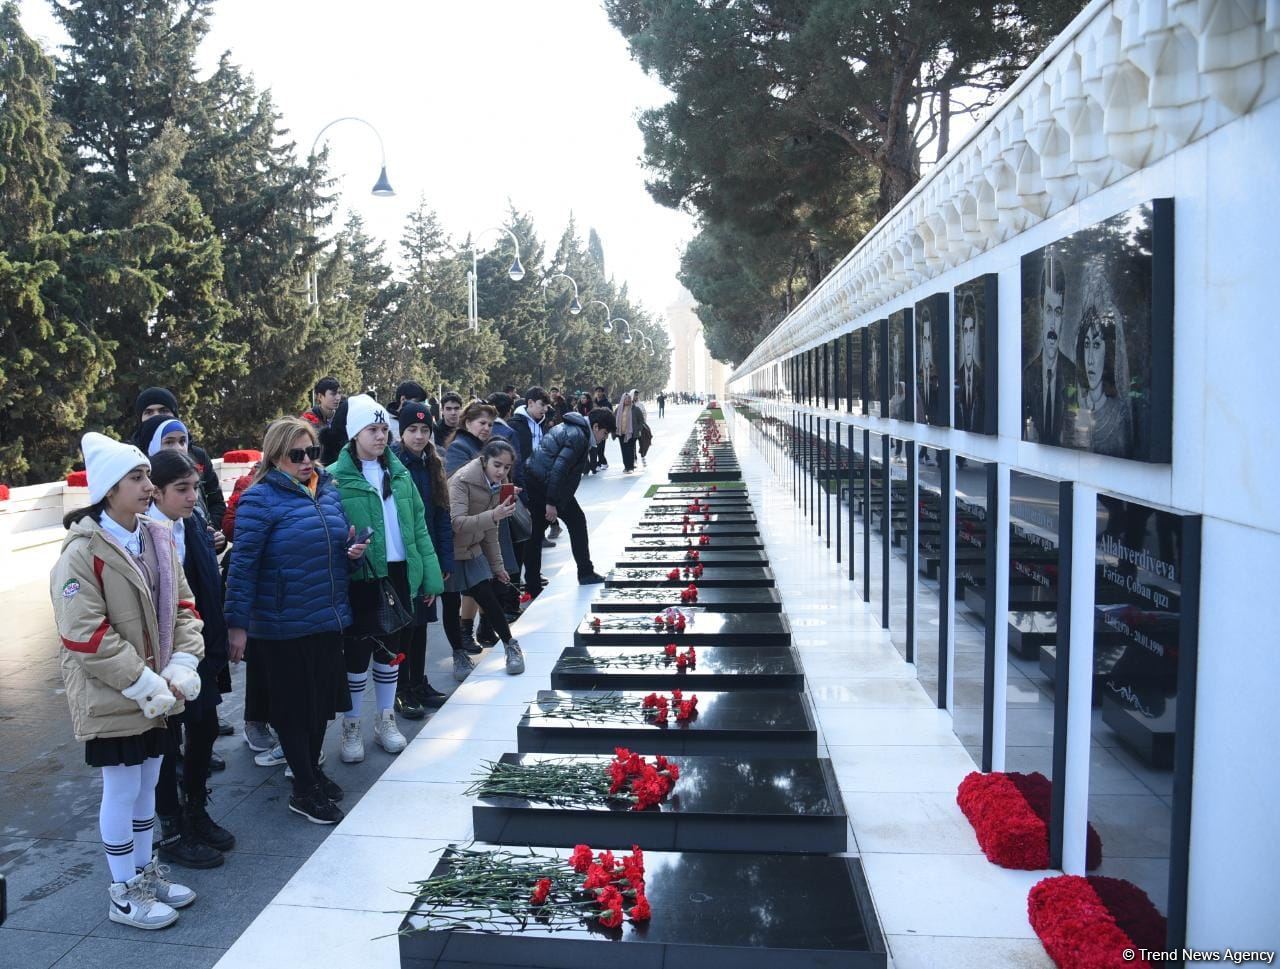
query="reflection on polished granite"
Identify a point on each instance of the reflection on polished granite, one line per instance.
(709, 910)
(717, 668)
(708, 556)
(660, 527)
(658, 576)
(758, 722)
(715, 599)
(718, 804)
(701, 629)
(681, 543)
(677, 518)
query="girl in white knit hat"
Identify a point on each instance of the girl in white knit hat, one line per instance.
(131, 641)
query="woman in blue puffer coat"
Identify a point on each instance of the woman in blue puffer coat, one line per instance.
(288, 589)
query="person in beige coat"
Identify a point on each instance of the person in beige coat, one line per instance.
(476, 509)
(131, 642)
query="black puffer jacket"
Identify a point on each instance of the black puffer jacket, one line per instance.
(556, 468)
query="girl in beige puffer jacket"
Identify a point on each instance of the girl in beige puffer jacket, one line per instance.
(130, 646)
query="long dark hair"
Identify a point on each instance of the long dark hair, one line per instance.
(93, 511)
(169, 466)
(435, 471)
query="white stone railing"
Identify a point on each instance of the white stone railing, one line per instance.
(1126, 84)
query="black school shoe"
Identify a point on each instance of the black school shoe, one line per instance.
(591, 578)
(408, 705)
(315, 806)
(485, 635)
(331, 790)
(428, 696)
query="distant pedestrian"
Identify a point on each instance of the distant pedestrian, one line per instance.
(130, 648)
(629, 418)
(662, 404)
(326, 396)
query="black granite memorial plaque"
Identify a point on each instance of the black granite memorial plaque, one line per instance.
(717, 599)
(710, 556)
(761, 723)
(709, 579)
(718, 473)
(716, 668)
(713, 529)
(710, 911)
(718, 804)
(713, 499)
(701, 629)
(678, 518)
(1145, 640)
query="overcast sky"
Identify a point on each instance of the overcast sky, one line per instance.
(477, 102)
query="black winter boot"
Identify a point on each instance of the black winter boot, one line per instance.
(469, 638)
(178, 845)
(485, 635)
(204, 828)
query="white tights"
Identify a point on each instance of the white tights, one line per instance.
(127, 817)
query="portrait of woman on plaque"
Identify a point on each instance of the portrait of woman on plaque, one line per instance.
(1103, 423)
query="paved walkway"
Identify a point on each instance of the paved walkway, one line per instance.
(49, 844)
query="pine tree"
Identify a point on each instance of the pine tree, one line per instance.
(49, 361)
(125, 85)
(595, 248)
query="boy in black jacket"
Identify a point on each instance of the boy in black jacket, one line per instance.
(552, 476)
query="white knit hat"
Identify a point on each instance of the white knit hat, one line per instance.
(106, 462)
(363, 410)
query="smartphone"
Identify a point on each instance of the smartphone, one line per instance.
(508, 491)
(364, 535)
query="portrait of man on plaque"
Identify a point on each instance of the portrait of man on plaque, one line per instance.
(901, 401)
(1097, 337)
(931, 360)
(875, 378)
(975, 358)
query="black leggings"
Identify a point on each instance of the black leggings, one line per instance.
(302, 743)
(200, 735)
(413, 671)
(487, 599)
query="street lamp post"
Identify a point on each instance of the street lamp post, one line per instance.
(381, 189)
(608, 313)
(515, 273)
(576, 306)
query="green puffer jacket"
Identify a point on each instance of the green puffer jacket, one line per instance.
(363, 505)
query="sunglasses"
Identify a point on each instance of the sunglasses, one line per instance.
(297, 454)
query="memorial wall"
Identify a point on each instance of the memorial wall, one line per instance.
(1050, 371)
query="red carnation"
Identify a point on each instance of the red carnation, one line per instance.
(669, 649)
(650, 701)
(685, 710)
(607, 861)
(4, 492)
(580, 860)
(525, 598)
(541, 892)
(597, 877)
(640, 910)
(704, 540)
(682, 662)
(680, 624)
(673, 575)
(677, 695)
(595, 622)
(657, 620)
(611, 918)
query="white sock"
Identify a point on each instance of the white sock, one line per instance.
(384, 685)
(144, 812)
(119, 791)
(355, 686)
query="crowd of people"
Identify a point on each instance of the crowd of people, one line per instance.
(361, 524)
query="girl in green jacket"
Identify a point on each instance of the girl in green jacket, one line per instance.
(378, 494)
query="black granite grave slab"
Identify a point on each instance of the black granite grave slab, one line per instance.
(716, 499)
(677, 529)
(711, 556)
(1023, 597)
(627, 576)
(677, 518)
(698, 488)
(717, 599)
(681, 542)
(762, 723)
(710, 911)
(701, 629)
(718, 804)
(720, 473)
(717, 668)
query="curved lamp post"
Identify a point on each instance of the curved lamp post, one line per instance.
(608, 312)
(515, 273)
(619, 319)
(576, 306)
(381, 189)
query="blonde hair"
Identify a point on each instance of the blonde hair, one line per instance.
(278, 440)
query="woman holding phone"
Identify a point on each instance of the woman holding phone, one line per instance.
(287, 586)
(480, 498)
(381, 500)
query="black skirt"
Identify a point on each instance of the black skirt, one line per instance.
(129, 751)
(306, 678)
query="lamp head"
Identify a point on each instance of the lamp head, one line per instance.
(575, 307)
(516, 272)
(608, 326)
(382, 187)
(627, 339)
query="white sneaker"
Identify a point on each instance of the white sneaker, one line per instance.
(133, 904)
(273, 757)
(387, 733)
(515, 657)
(352, 741)
(259, 736)
(462, 665)
(288, 771)
(163, 890)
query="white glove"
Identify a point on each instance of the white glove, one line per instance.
(151, 694)
(182, 676)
